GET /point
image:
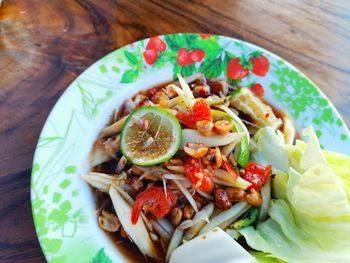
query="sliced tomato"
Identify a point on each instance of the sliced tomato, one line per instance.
(199, 175)
(257, 174)
(153, 200)
(186, 118)
(229, 167)
(200, 111)
(151, 92)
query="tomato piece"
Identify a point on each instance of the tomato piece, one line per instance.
(207, 182)
(186, 118)
(153, 200)
(229, 167)
(216, 87)
(199, 175)
(151, 92)
(257, 174)
(200, 112)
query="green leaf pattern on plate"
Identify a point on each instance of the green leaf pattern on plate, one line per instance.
(301, 96)
(101, 257)
(57, 211)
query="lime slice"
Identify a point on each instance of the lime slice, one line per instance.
(150, 136)
(218, 115)
(242, 149)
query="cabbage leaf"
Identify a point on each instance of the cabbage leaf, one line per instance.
(310, 219)
(269, 149)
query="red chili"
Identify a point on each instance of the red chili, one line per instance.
(151, 92)
(153, 200)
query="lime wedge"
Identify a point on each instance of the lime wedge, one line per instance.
(242, 149)
(150, 136)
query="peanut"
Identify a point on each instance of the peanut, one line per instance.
(205, 127)
(196, 150)
(175, 216)
(223, 126)
(254, 198)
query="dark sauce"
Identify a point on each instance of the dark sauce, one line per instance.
(124, 246)
(279, 114)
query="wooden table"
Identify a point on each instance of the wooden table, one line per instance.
(45, 45)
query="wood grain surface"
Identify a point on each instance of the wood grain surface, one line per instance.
(46, 44)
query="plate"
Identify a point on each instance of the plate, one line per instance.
(63, 208)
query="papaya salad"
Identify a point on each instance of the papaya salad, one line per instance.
(183, 160)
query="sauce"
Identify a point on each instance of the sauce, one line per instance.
(279, 114)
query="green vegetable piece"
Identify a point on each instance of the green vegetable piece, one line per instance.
(242, 149)
(235, 92)
(243, 152)
(251, 217)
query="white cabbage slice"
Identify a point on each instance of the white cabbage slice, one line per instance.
(213, 246)
(270, 149)
(189, 135)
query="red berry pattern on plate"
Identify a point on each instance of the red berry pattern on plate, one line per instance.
(257, 89)
(184, 57)
(154, 45)
(260, 64)
(197, 55)
(150, 56)
(236, 69)
(203, 35)
(157, 44)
